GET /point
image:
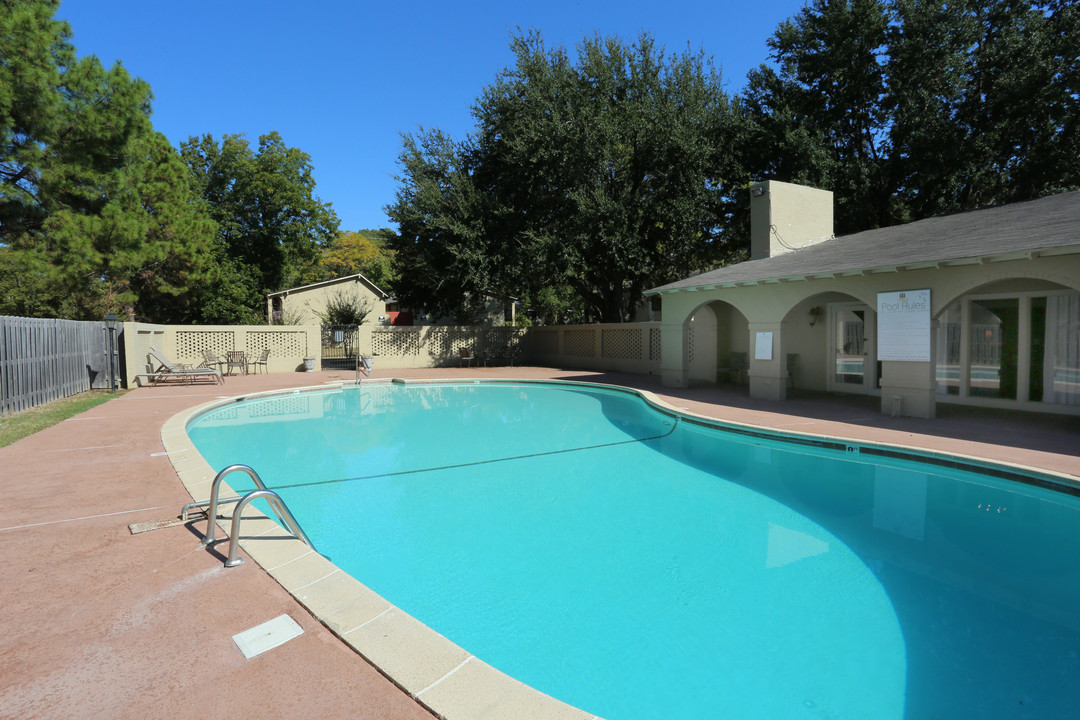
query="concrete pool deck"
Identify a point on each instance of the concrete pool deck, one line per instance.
(98, 622)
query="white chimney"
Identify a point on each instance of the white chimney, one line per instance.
(785, 217)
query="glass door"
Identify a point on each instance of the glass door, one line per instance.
(851, 336)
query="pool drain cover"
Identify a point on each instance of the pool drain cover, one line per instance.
(267, 636)
(141, 527)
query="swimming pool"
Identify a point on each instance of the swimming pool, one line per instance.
(636, 563)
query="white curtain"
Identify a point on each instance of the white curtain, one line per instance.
(1062, 372)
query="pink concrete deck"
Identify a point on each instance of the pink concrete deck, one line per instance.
(97, 622)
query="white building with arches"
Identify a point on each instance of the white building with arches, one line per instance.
(1001, 327)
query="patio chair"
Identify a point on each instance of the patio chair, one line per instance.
(262, 360)
(167, 369)
(466, 356)
(211, 360)
(235, 359)
(739, 364)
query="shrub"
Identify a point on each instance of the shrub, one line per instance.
(346, 309)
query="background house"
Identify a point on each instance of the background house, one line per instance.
(307, 304)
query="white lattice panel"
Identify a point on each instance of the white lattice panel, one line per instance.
(621, 344)
(190, 344)
(654, 344)
(395, 342)
(579, 342)
(279, 343)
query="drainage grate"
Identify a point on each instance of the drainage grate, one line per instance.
(141, 527)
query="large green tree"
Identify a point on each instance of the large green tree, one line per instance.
(271, 225)
(984, 96)
(912, 108)
(819, 117)
(363, 251)
(606, 176)
(94, 213)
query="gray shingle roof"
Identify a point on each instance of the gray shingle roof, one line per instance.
(1024, 227)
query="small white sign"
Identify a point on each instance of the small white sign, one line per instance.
(763, 346)
(903, 320)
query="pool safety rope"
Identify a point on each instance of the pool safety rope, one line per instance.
(477, 463)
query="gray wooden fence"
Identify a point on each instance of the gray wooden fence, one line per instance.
(44, 359)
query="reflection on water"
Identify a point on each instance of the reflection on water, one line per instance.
(974, 566)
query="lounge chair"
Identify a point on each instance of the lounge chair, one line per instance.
(167, 369)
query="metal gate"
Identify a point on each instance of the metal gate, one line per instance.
(339, 347)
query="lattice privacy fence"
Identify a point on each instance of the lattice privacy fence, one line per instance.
(654, 344)
(280, 343)
(445, 341)
(621, 344)
(457, 338)
(579, 343)
(501, 340)
(544, 342)
(395, 342)
(190, 344)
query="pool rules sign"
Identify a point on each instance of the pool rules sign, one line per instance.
(903, 320)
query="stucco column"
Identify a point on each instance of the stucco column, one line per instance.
(914, 383)
(768, 377)
(673, 366)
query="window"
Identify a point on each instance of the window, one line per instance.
(1016, 346)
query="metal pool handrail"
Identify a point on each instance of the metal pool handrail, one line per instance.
(279, 506)
(211, 511)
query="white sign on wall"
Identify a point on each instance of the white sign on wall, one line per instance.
(903, 325)
(763, 346)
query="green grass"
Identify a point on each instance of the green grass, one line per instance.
(16, 427)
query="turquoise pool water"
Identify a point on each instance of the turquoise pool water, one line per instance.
(638, 565)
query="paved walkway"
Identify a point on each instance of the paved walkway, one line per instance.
(99, 623)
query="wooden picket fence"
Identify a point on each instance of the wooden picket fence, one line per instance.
(45, 359)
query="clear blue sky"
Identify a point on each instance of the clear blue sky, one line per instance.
(342, 80)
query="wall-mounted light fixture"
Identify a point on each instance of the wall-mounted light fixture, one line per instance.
(757, 190)
(815, 312)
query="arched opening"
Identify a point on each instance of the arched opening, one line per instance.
(717, 344)
(1009, 342)
(829, 340)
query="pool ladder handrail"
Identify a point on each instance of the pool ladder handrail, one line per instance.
(285, 517)
(214, 500)
(283, 514)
